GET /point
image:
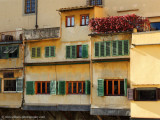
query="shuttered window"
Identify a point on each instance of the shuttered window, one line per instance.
(36, 52)
(50, 51)
(87, 87)
(61, 88)
(53, 87)
(19, 85)
(77, 51)
(101, 87)
(30, 87)
(130, 94)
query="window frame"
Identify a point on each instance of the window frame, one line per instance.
(96, 2)
(82, 85)
(9, 79)
(25, 7)
(36, 52)
(50, 51)
(36, 87)
(107, 87)
(70, 21)
(85, 15)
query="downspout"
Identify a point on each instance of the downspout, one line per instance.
(36, 26)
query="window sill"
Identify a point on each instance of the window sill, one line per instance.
(5, 92)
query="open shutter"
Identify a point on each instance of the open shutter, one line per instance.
(33, 52)
(158, 93)
(87, 87)
(30, 86)
(61, 87)
(101, 87)
(52, 51)
(0, 85)
(68, 51)
(125, 87)
(120, 47)
(19, 85)
(96, 49)
(74, 51)
(114, 48)
(102, 49)
(84, 51)
(53, 87)
(46, 51)
(38, 52)
(130, 94)
(108, 48)
(126, 47)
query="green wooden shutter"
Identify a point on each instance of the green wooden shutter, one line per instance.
(68, 51)
(101, 87)
(74, 51)
(126, 47)
(53, 87)
(125, 87)
(30, 87)
(52, 51)
(19, 85)
(87, 87)
(46, 51)
(61, 87)
(33, 52)
(120, 47)
(84, 51)
(108, 48)
(96, 49)
(38, 52)
(0, 84)
(102, 49)
(114, 48)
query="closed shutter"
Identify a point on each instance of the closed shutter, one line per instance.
(158, 93)
(53, 88)
(108, 48)
(125, 87)
(120, 47)
(0, 52)
(30, 87)
(84, 51)
(130, 94)
(101, 87)
(68, 51)
(0, 84)
(46, 51)
(87, 87)
(33, 52)
(52, 51)
(102, 49)
(61, 87)
(114, 48)
(126, 47)
(19, 85)
(74, 51)
(96, 49)
(38, 52)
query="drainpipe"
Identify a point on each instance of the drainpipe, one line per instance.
(36, 26)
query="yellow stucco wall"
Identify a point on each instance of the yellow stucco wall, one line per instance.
(59, 73)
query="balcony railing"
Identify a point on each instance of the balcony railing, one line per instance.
(44, 33)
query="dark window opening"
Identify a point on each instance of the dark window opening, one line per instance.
(8, 75)
(9, 85)
(155, 26)
(95, 2)
(42, 87)
(79, 51)
(29, 6)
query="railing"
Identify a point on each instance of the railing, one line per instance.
(11, 36)
(43, 33)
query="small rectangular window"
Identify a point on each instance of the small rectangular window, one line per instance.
(29, 6)
(70, 21)
(9, 85)
(155, 26)
(50, 51)
(79, 51)
(95, 2)
(36, 52)
(42, 87)
(84, 20)
(8, 75)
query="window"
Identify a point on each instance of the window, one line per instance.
(29, 6)
(115, 87)
(76, 87)
(70, 21)
(84, 20)
(116, 48)
(95, 2)
(50, 51)
(9, 85)
(36, 52)
(155, 26)
(42, 87)
(77, 51)
(9, 52)
(8, 75)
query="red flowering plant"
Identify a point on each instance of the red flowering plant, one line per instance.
(119, 24)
